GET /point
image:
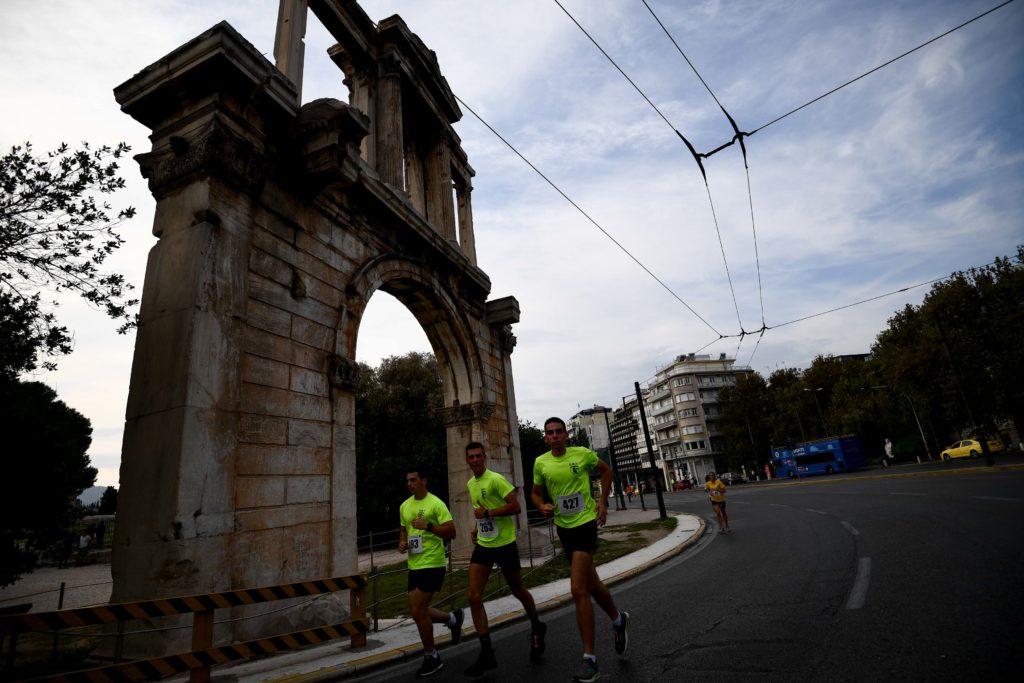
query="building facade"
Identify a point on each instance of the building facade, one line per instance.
(681, 404)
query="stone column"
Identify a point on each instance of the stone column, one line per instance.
(289, 45)
(415, 180)
(390, 145)
(440, 206)
(466, 238)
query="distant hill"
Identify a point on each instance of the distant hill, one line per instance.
(92, 495)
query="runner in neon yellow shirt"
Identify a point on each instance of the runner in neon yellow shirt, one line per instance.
(563, 474)
(426, 525)
(495, 506)
(716, 492)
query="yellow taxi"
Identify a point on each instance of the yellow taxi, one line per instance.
(971, 448)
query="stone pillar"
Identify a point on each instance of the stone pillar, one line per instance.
(390, 146)
(415, 180)
(440, 207)
(465, 423)
(289, 45)
(466, 238)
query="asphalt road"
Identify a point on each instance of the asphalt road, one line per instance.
(910, 573)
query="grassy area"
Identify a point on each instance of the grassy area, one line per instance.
(36, 656)
(388, 587)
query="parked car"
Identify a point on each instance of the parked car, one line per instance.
(730, 478)
(682, 485)
(971, 448)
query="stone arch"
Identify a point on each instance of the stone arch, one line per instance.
(276, 223)
(435, 308)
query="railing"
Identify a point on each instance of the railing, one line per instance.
(203, 654)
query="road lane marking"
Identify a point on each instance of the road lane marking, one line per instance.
(860, 584)
(819, 512)
(849, 527)
(896, 493)
(1005, 500)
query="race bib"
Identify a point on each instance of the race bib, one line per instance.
(570, 505)
(415, 545)
(486, 528)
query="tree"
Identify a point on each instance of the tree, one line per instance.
(108, 501)
(531, 445)
(55, 235)
(45, 458)
(398, 425)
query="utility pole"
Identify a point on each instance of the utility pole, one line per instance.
(620, 501)
(650, 451)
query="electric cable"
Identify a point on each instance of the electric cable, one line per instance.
(585, 214)
(881, 66)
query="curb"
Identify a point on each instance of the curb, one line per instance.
(675, 543)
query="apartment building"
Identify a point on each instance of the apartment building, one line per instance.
(681, 404)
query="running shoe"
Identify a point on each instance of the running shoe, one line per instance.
(587, 673)
(485, 662)
(456, 628)
(430, 666)
(622, 633)
(537, 640)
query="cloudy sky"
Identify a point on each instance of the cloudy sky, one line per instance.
(898, 179)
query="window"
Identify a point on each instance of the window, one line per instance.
(682, 398)
(688, 412)
(695, 429)
(695, 445)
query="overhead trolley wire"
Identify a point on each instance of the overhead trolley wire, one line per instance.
(718, 230)
(737, 137)
(585, 214)
(880, 66)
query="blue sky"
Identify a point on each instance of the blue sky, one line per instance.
(900, 178)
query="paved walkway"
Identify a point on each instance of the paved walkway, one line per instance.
(332, 661)
(91, 585)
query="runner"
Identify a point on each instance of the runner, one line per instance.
(563, 474)
(425, 525)
(495, 505)
(716, 491)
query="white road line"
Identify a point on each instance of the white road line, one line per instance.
(819, 512)
(1006, 500)
(849, 527)
(906, 494)
(860, 584)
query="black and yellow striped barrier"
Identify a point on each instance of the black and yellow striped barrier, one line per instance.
(202, 607)
(166, 607)
(162, 667)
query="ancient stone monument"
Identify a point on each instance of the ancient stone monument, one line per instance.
(277, 223)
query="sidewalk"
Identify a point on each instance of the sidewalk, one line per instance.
(335, 660)
(91, 585)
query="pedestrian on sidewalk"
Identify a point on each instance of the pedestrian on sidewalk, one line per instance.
(563, 475)
(716, 491)
(495, 505)
(426, 524)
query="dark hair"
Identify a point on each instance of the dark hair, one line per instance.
(554, 419)
(474, 444)
(420, 471)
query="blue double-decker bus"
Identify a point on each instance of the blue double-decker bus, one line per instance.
(825, 456)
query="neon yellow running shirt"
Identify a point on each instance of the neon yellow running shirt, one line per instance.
(426, 549)
(489, 491)
(567, 480)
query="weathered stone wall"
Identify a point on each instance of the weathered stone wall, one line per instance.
(276, 226)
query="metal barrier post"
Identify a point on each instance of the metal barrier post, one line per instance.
(56, 631)
(202, 638)
(357, 609)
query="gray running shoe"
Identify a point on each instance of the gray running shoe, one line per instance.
(622, 634)
(587, 672)
(460, 617)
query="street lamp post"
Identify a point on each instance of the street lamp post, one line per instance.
(817, 405)
(927, 450)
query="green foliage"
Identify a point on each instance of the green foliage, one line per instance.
(956, 361)
(398, 425)
(108, 501)
(531, 445)
(45, 458)
(54, 236)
